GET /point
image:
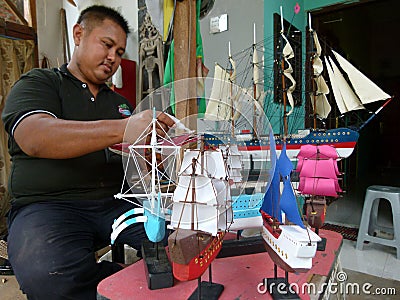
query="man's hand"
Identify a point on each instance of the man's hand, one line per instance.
(138, 126)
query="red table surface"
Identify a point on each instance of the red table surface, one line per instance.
(240, 276)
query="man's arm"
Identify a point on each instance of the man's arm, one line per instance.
(41, 135)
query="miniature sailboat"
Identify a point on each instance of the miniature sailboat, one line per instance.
(151, 177)
(292, 247)
(201, 213)
(318, 173)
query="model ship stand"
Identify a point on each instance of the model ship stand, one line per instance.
(207, 290)
(315, 211)
(279, 287)
(157, 266)
(322, 244)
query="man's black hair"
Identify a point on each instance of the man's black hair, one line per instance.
(97, 13)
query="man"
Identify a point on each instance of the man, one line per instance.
(63, 178)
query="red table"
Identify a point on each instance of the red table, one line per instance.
(240, 276)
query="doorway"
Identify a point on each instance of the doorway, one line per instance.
(365, 33)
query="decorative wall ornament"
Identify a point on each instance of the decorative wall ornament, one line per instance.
(151, 58)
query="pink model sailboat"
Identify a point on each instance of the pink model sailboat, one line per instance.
(318, 169)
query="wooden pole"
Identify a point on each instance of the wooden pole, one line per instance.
(285, 123)
(255, 131)
(32, 6)
(185, 62)
(65, 42)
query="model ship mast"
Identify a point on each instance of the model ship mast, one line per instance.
(255, 82)
(231, 80)
(285, 123)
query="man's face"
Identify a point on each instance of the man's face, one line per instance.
(100, 51)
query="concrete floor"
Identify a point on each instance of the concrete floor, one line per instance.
(375, 260)
(9, 289)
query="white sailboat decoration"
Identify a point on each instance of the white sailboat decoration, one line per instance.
(150, 173)
(201, 212)
(290, 246)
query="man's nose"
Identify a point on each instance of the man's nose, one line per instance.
(111, 55)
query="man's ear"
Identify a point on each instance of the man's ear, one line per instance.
(77, 31)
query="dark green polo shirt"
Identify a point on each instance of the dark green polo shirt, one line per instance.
(58, 93)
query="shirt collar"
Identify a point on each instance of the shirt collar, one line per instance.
(64, 70)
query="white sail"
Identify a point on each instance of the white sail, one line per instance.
(203, 190)
(319, 101)
(289, 54)
(336, 92)
(213, 163)
(232, 76)
(202, 202)
(366, 90)
(224, 199)
(322, 106)
(234, 163)
(219, 104)
(322, 87)
(205, 218)
(317, 44)
(317, 64)
(346, 99)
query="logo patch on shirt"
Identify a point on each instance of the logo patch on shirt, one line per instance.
(124, 110)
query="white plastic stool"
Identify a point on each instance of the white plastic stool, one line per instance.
(370, 215)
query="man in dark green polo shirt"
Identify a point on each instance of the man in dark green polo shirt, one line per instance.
(60, 123)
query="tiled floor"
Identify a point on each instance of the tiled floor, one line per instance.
(374, 259)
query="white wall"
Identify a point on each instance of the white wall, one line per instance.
(127, 8)
(50, 32)
(242, 14)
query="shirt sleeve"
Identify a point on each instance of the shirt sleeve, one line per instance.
(35, 92)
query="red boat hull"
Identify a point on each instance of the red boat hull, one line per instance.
(199, 264)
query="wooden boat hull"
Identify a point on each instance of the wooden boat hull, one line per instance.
(199, 263)
(316, 212)
(289, 247)
(280, 262)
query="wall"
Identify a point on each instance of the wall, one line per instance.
(242, 14)
(49, 26)
(49, 31)
(127, 8)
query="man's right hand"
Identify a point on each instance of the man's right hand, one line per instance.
(138, 125)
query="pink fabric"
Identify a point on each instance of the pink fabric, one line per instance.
(320, 186)
(325, 168)
(311, 151)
